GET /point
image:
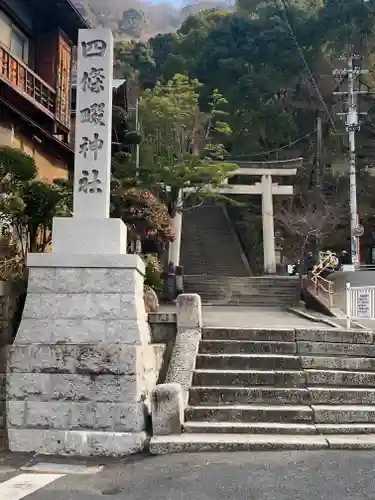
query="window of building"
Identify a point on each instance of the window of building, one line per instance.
(13, 38)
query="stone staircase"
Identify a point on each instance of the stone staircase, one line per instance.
(209, 244)
(269, 388)
(270, 291)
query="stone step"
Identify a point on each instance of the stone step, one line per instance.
(317, 335)
(351, 414)
(248, 362)
(338, 363)
(339, 378)
(341, 395)
(250, 413)
(214, 288)
(336, 348)
(246, 347)
(246, 378)
(250, 292)
(272, 395)
(250, 334)
(249, 281)
(264, 304)
(247, 395)
(248, 428)
(187, 442)
(335, 335)
(367, 428)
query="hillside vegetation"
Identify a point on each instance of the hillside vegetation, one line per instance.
(272, 62)
(131, 19)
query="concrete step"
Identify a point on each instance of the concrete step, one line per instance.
(161, 445)
(338, 363)
(245, 378)
(248, 362)
(246, 347)
(248, 428)
(341, 395)
(247, 395)
(339, 378)
(351, 414)
(336, 348)
(250, 413)
(250, 334)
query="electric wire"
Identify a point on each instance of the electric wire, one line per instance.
(285, 8)
(286, 146)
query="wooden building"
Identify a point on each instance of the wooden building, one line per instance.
(36, 45)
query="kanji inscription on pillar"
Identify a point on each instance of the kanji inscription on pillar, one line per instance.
(93, 134)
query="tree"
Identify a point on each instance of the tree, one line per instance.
(27, 204)
(179, 152)
(145, 215)
(309, 220)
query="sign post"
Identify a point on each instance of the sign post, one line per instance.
(91, 231)
(93, 134)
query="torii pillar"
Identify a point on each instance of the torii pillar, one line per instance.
(269, 251)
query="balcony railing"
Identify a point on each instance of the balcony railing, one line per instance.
(25, 81)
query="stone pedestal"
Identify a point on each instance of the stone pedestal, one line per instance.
(81, 368)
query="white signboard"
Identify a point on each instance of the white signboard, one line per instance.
(93, 136)
(363, 304)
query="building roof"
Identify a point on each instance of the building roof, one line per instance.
(62, 12)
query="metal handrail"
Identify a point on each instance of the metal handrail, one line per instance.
(322, 283)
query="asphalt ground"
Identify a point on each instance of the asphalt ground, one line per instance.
(295, 475)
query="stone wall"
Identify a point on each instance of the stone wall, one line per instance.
(163, 332)
(7, 308)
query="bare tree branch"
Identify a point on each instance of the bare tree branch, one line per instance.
(311, 216)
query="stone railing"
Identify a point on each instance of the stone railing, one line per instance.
(169, 400)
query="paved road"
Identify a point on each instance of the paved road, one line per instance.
(311, 475)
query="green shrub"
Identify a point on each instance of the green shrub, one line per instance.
(153, 272)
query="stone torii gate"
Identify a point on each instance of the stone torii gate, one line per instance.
(267, 189)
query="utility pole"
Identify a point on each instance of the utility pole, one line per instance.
(352, 72)
(137, 130)
(319, 142)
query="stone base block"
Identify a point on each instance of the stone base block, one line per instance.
(73, 235)
(76, 443)
(81, 369)
(84, 304)
(167, 409)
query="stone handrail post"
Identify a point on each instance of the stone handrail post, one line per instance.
(169, 400)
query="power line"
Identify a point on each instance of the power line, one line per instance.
(285, 9)
(261, 153)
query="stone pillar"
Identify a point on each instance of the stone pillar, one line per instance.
(175, 246)
(79, 370)
(189, 333)
(268, 226)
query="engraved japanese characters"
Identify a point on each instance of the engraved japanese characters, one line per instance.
(93, 123)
